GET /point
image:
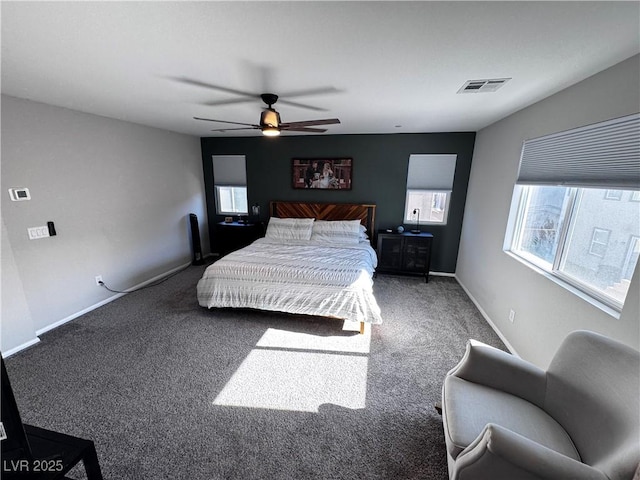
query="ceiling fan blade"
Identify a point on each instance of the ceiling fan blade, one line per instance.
(229, 129)
(303, 129)
(310, 123)
(198, 83)
(311, 91)
(302, 93)
(301, 105)
(224, 121)
(231, 101)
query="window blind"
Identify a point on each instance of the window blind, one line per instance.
(605, 154)
(431, 172)
(229, 170)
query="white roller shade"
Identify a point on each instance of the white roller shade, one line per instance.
(229, 170)
(431, 172)
(605, 154)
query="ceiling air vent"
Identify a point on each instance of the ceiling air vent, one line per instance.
(477, 86)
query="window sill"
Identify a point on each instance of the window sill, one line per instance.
(567, 286)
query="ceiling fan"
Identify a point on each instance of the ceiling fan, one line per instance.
(270, 123)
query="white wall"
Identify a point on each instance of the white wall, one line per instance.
(119, 194)
(17, 324)
(545, 311)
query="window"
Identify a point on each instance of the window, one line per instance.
(429, 185)
(613, 194)
(580, 237)
(599, 242)
(576, 213)
(541, 213)
(230, 183)
(231, 200)
(429, 207)
(632, 257)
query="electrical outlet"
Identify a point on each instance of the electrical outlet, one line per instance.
(38, 232)
(512, 315)
(98, 280)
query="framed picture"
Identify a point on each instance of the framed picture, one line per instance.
(322, 173)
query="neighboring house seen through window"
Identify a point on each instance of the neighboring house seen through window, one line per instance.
(580, 236)
(231, 200)
(433, 206)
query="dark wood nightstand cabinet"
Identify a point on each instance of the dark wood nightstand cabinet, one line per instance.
(234, 235)
(406, 253)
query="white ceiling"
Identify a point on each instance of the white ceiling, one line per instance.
(390, 63)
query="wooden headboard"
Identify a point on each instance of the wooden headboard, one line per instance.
(366, 213)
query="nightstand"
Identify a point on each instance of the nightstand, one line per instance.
(404, 253)
(230, 236)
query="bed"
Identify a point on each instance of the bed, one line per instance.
(308, 263)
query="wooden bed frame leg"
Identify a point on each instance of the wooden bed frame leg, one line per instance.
(361, 328)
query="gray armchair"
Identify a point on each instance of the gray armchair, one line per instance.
(505, 418)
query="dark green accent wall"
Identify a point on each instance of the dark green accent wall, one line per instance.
(380, 165)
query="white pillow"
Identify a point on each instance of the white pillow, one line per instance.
(336, 231)
(289, 228)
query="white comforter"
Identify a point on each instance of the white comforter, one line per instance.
(300, 277)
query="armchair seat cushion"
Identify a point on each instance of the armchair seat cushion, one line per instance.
(470, 407)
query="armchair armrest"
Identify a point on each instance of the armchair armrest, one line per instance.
(486, 365)
(501, 453)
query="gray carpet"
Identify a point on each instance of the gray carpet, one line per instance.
(170, 390)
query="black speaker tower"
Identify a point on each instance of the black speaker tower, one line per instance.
(195, 240)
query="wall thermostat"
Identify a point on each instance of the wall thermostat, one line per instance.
(19, 194)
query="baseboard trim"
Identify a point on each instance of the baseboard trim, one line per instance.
(442, 274)
(487, 318)
(19, 348)
(108, 300)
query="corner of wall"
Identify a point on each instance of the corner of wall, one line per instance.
(488, 319)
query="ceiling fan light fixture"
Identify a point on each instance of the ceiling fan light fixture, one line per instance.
(270, 118)
(270, 131)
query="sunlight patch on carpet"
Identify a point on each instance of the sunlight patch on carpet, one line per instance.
(353, 343)
(297, 381)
